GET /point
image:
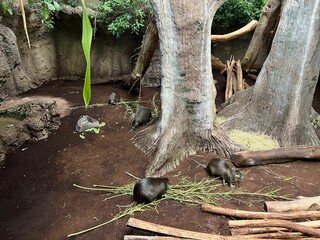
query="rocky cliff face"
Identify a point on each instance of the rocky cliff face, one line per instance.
(57, 54)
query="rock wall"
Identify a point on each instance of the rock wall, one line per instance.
(57, 54)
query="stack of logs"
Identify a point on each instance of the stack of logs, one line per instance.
(235, 81)
(277, 223)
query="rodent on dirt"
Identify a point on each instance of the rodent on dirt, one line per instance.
(142, 117)
(113, 98)
(219, 167)
(149, 189)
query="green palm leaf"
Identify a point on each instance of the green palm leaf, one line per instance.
(86, 45)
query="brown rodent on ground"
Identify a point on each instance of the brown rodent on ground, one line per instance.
(149, 189)
(113, 98)
(142, 117)
(219, 168)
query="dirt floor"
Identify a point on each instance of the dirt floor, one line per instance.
(38, 200)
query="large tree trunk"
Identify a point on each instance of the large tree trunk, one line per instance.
(187, 89)
(280, 102)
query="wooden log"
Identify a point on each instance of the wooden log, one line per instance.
(249, 214)
(149, 45)
(236, 34)
(239, 76)
(310, 231)
(233, 76)
(255, 230)
(228, 92)
(278, 235)
(175, 232)
(302, 204)
(267, 21)
(279, 155)
(246, 223)
(134, 237)
(216, 63)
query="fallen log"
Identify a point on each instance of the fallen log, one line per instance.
(255, 230)
(268, 215)
(246, 223)
(279, 155)
(310, 231)
(236, 34)
(175, 232)
(134, 237)
(236, 230)
(302, 204)
(278, 235)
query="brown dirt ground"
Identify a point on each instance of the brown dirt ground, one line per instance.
(38, 201)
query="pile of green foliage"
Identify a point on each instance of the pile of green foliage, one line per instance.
(234, 14)
(122, 16)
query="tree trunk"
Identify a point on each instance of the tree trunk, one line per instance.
(187, 88)
(262, 33)
(280, 102)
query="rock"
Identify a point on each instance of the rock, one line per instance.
(26, 121)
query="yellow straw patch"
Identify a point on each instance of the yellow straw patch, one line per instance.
(253, 141)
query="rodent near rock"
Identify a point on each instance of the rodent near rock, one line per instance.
(149, 189)
(220, 168)
(142, 117)
(113, 98)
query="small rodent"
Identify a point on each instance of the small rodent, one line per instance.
(142, 117)
(113, 98)
(149, 189)
(219, 167)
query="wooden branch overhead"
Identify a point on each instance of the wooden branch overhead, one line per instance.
(279, 155)
(301, 204)
(236, 34)
(249, 214)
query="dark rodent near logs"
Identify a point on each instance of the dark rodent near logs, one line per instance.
(113, 98)
(220, 168)
(142, 117)
(149, 189)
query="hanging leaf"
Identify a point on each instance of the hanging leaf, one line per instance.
(86, 45)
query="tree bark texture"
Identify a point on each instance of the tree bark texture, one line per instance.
(281, 99)
(187, 88)
(266, 24)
